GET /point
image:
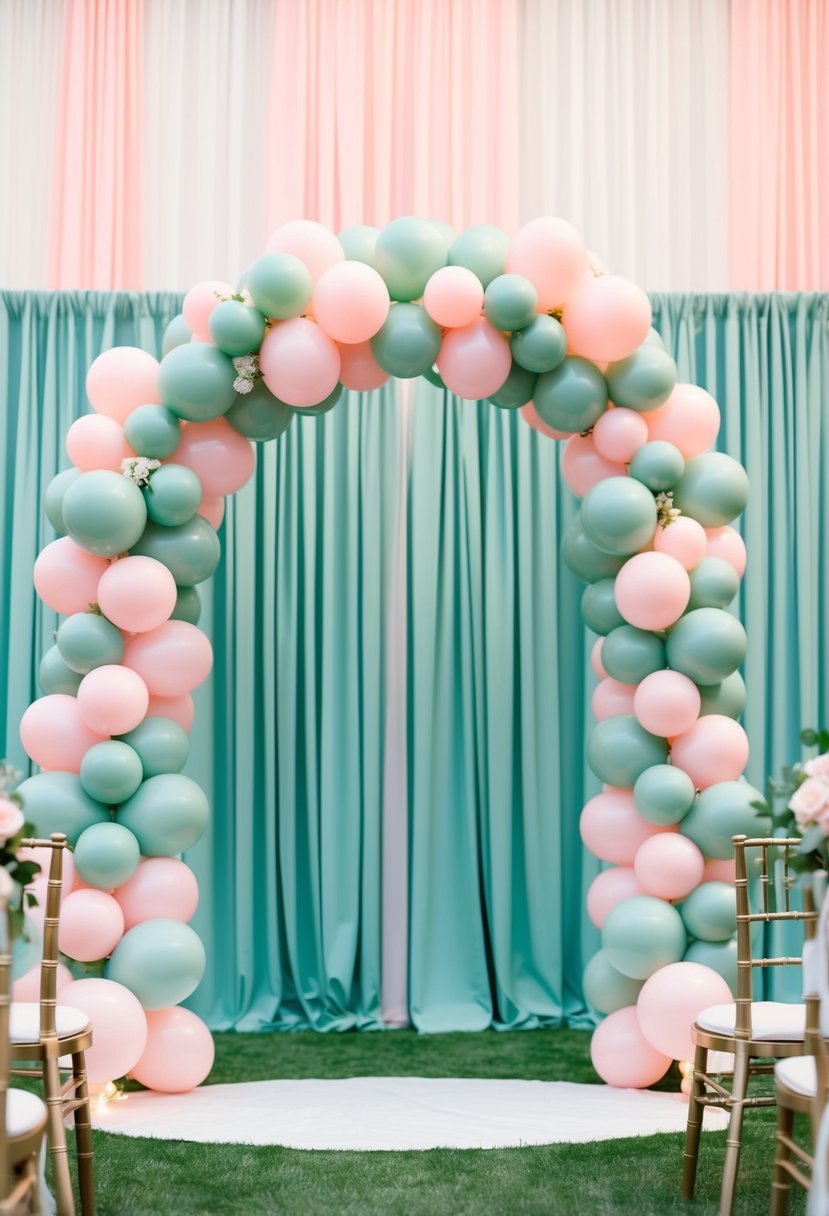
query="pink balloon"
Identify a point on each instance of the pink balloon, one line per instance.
(689, 419)
(668, 866)
(667, 703)
(66, 576)
(180, 709)
(612, 828)
(91, 925)
(719, 871)
(619, 434)
(121, 379)
(312, 243)
(607, 318)
(113, 699)
(729, 545)
(454, 297)
(582, 466)
(299, 362)
(530, 415)
(161, 886)
(97, 442)
(171, 660)
(552, 255)
(213, 510)
(672, 999)
(714, 749)
(56, 735)
(351, 302)
(596, 660)
(179, 1051)
(43, 858)
(27, 988)
(222, 459)
(608, 889)
(137, 593)
(683, 539)
(474, 361)
(622, 1055)
(610, 699)
(359, 370)
(652, 590)
(119, 1027)
(200, 301)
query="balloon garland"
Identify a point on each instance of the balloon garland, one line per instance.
(532, 323)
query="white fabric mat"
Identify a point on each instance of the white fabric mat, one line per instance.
(394, 1113)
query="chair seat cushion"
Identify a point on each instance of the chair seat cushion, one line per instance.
(24, 1111)
(770, 1021)
(24, 1021)
(798, 1073)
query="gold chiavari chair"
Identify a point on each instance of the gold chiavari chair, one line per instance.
(753, 1031)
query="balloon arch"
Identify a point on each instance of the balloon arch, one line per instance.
(532, 323)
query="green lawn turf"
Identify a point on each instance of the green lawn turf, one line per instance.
(640, 1176)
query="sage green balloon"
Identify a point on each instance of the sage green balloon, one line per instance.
(710, 911)
(111, 772)
(280, 285)
(54, 676)
(173, 495)
(190, 551)
(106, 856)
(605, 988)
(53, 498)
(323, 407)
(57, 802)
(153, 430)
(707, 645)
(572, 397)
(258, 415)
(434, 377)
(236, 328)
(196, 382)
(104, 512)
(713, 489)
(161, 961)
(719, 956)
(407, 253)
(481, 249)
(359, 243)
(714, 583)
(598, 607)
(619, 750)
(658, 465)
(510, 302)
(644, 380)
(177, 333)
(722, 811)
(728, 697)
(87, 640)
(642, 934)
(629, 654)
(408, 343)
(663, 794)
(541, 345)
(161, 745)
(168, 814)
(582, 557)
(618, 515)
(188, 606)
(654, 338)
(517, 389)
(447, 233)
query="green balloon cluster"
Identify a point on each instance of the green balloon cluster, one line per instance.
(724, 810)
(408, 343)
(607, 989)
(642, 934)
(190, 551)
(710, 912)
(713, 489)
(540, 346)
(598, 607)
(619, 750)
(727, 698)
(167, 815)
(236, 328)
(481, 249)
(573, 396)
(407, 253)
(280, 285)
(618, 515)
(258, 415)
(510, 302)
(714, 584)
(104, 512)
(53, 499)
(173, 496)
(111, 772)
(160, 744)
(630, 654)
(106, 856)
(196, 382)
(57, 802)
(658, 465)
(87, 640)
(582, 557)
(517, 389)
(663, 794)
(359, 243)
(719, 956)
(644, 380)
(177, 333)
(153, 431)
(707, 645)
(54, 676)
(161, 961)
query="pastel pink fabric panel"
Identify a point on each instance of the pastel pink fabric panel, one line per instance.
(96, 206)
(780, 145)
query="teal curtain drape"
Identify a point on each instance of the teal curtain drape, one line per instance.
(289, 737)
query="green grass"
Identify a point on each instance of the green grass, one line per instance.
(641, 1176)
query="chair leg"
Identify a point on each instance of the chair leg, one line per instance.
(781, 1184)
(694, 1127)
(83, 1136)
(733, 1141)
(56, 1136)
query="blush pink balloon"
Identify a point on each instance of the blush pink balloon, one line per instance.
(43, 858)
(351, 302)
(652, 590)
(56, 735)
(119, 1027)
(27, 988)
(200, 302)
(97, 442)
(668, 866)
(120, 380)
(582, 466)
(222, 459)
(684, 539)
(171, 660)
(621, 1054)
(672, 999)
(299, 362)
(137, 593)
(180, 709)
(66, 576)
(689, 419)
(719, 871)
(530, 415)
(113, 699)
(91, 925)
(161, 886)
(359, 370)
(714, 749)
(213, 510)
(474, 361)
(552, 255)
(178, 1054)
(454, 297)
(611, 699)
(612, 828)
(608, 889)
(312, 243)
(667, 703)
(729, 545)
(596, 660)
(607, 318)
(619, 434)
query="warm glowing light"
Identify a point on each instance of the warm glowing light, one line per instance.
(686, 1068)
(105, 1095)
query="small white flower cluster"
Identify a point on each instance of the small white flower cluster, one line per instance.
(247, 369)
(665, 509)
(139, 469)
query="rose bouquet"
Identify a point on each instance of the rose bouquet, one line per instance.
(15, 873)
(799, 803)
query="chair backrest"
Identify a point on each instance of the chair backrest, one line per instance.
(51, 920)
